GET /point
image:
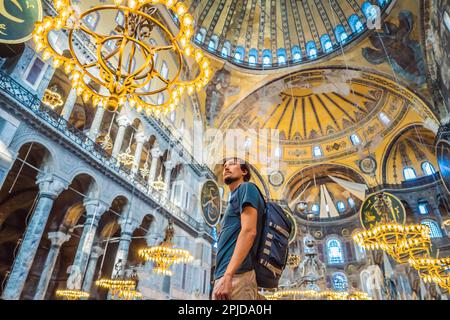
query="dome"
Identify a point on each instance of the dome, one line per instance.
(276, 34)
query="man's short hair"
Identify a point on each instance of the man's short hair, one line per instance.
(245, 166)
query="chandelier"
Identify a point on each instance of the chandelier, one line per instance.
(165, 255)
(433, 270)
(126, 158)
(317, 295)
(115, 285)
(124, 65)
(159, 184)
(126, 294)
(72, 294)
(52, 98)
(401, 242)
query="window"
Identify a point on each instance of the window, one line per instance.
(247, 143)
(334, 250)
(340, 33)
(164, 70)
(120, 18)
(435, 231)
(339, 281)
(226, 49)
(447, 20)
(355, 23)
(351, 202)
(423, 208)
(317, 152)
(409, 173)
(239, 54)
(278, 152)
(267, 58)
(91, 20)
(172, 116)
(354, 138)
(325, 41)
(35, 72)
(213, 43)
(341, 206)
(253, 56)
(311, 50)
(201, 34)
(281, 56)
(160, 99)
(428, 169)
(315, 208)
(382, 3)
(296, 54)
(369, 10)
(384, 118)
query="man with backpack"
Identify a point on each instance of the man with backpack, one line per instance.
(241, 227)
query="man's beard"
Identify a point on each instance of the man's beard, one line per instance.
(230, 180)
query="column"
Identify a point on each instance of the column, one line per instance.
(123, 122)
(127, 227)
(94, 211)
(96, 123)
(140, 140)
(156, 153)
(69, 104)
(50, 186)
(57, 239)
(169, 165)
(96, 253)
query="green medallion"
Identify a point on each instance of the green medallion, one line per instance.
(211, 202)
(17, 19)
(382, 208)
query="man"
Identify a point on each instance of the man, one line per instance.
(241, 226)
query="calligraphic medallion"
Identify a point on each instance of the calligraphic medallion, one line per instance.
(17, 19)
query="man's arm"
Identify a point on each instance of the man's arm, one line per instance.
(244, 243)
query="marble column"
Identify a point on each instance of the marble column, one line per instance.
(123, 122)
(156, 153)
(140, 140)
(50, 186)
(96, 123)
(57, 239)
(127, 227)
(69, 104)
(94, 211)
(96, 253)
(169, 165)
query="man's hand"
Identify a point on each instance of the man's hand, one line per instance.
(224, 288)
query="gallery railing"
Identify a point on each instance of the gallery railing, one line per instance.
(15, 91)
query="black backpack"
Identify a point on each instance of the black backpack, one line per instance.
(272, 254)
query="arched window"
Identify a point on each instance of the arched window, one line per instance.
(325, 41)
(339, 281)
(317, 152)
(355, 23)
(354, 138)
(384, 118)
(239, 54)
(334, 251)
(182, 127)
(435, 231)
(253, 56)
(278, 152)
(120, 18)
(164, 70)
(340, 34)
(91, 20)
(447, 20)
(267, 57)
(226, 49)
(423, 207)
(311, 50)
(315, 208)
(351, 202)
(409, 173)
(382, 3)
(296, 54)
(213, 43)
(428, 168)
(369, 10)
(341, 206)
(281, 56)
(201, 34)
(172, 116)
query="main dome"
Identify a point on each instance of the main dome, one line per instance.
(262, 34)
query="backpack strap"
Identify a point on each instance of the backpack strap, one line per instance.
(260, 192)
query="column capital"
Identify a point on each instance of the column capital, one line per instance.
(156, 152)
(94, 208)
(58, 238)
(140, 137)
(128, 224)
(122, 121)
(50, 185)
(170, 164)
(96, 252)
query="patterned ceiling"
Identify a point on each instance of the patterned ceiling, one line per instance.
(265, 34)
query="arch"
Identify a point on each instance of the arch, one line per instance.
(325, 41)
(40, 142)
(239, 54)
(341, 34)
(311, 50)
(296, 54)
(226, 49)
(281, 56)
(200, 36)
(253, 56)
(334, 251)
(267, 57)
(213, 43)
(428, 168)
(435, 230)
(339, 281)
(355, 23)
(369, 10)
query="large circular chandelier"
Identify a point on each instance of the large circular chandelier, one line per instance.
(116, 284)
(319, 295)
(401, 242)
(72, 294)
(124, 65)
(165, 255)
(433, 270)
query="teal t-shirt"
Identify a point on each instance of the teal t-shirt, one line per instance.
(246, 194)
